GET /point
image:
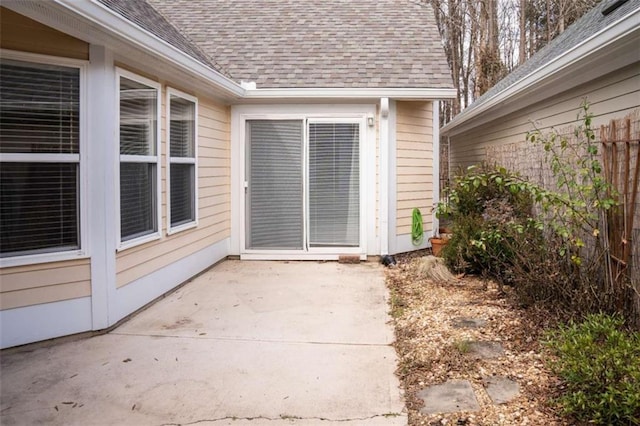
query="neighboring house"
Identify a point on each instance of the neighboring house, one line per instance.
(144, 141)
(598, 58)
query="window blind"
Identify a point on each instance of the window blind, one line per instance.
(182, 121)
(137, 194)
(334, 184)
(275, 192)
(138, 159)
(40, 107)
(138, 115)
(182, 174)
(39, 114)
(182, 193)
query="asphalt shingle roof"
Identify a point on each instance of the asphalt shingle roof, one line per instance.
(579, 31)
(141, 13)
(316, 43)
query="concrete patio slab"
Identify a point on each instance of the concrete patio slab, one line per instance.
(245, 343)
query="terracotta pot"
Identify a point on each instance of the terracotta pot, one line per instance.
(437, 244)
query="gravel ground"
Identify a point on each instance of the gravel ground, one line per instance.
(431, 350)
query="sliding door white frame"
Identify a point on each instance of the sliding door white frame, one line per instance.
(308, 113)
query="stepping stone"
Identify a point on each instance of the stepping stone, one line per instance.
(467, 322)
(501, 389)
(449, 397)
(485, 350)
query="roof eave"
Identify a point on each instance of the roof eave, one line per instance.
(110, 20)
(350, 93)
(592, 48)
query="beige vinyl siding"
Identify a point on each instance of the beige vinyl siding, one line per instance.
(612, 96)
(414, 163)
(44, 283)
(17, 32)
(214, 202)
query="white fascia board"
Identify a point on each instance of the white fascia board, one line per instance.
(351, 93)
(595, 45)
(118, 25)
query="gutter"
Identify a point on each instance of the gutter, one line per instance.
(354, 93)
(596, 43)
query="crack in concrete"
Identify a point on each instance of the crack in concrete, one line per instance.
(284, 417)
(243, 339)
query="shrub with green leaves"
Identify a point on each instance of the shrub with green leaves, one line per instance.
(489, 208)
(600, 364)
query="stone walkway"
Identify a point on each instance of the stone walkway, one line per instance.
(456, 395)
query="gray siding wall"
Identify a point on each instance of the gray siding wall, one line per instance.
(611, 97)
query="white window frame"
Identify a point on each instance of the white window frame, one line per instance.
(181, 160)
(80, 158)
(146, 159)
(361, 122)
(332, 113)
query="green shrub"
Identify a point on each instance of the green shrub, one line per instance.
(488, 209)
(600, 363)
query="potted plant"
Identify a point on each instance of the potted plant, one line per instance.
(438, 242)
(443, 236)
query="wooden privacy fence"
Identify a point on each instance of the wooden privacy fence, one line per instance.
(621, 163)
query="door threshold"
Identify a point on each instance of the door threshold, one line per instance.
(300, 256)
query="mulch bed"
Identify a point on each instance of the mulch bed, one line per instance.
(431, 350)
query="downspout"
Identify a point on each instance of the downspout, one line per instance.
(383, 184)
(436, 165)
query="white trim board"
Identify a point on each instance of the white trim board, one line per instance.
(102, 181)
(403, 243)
(413, 93)
(137, 294)
(33, 323)
(393, 178)
(241, 113)
(435, 107)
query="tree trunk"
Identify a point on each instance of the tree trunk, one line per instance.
(522, 47)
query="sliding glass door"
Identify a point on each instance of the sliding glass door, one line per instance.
(302, 184)
(334, 184)
(274, 191)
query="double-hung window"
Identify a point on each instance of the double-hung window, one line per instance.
(138, 108)
(40, 143)
(181, 164)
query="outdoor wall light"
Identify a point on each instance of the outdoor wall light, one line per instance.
(370, 120)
